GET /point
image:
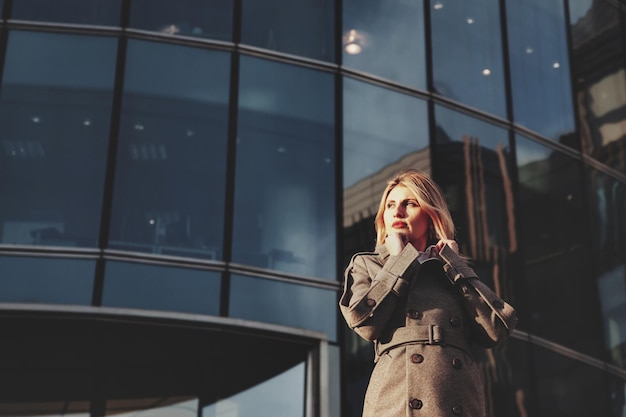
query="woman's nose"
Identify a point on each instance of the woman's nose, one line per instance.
(400, 212)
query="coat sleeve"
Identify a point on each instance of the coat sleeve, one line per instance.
(371, 293)
(493, 318)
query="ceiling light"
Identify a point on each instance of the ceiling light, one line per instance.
(486, 72)
(556, 65)
(353, 42)
(529, 50)
(469, 20)
(438, 5)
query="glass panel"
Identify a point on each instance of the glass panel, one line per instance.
(540, 82)
(554, 240)
(284, 392)
(54, 128)
(305, 27)
(169, 189)
(46, 280)
(608, 205)
(284, 195)
(475, 174)
(599, 72)
(161, 288)
(467, 53)
(386, 39)
(91, 12)
(384, 132)
(617, 393)
(334, 384)
(203, 18)
(284, 303)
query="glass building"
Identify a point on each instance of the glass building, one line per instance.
(182, 184)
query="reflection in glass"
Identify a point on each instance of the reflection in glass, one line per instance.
(385, 39)
(283, 303)
(384, 132)
(156, 287)
(171, 160)
(89, 12)
(153, 407)
(305, 27)
(201, 18)
(600, 74)
(541, 88)
(282, 394)
(553, 229)
(55, 110)
(284, 216)
(46, 280)
(467, 53)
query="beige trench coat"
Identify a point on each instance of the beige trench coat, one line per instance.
(422, 313)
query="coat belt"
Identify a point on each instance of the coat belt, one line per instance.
(425, 335)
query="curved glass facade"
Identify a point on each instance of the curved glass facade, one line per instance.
(183, 183)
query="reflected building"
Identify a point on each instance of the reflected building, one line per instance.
(183, 184)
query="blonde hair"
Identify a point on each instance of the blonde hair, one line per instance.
(430, 198)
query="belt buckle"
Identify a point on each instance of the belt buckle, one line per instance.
(435, 335)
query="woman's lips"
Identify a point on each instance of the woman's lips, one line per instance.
(398, 225)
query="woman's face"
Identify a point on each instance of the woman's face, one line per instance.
(404, 215)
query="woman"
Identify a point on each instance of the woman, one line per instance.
(421, 304)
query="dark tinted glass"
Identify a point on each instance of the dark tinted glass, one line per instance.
(203, 18)
(554, 238)
(161, 288)
(386, 39)
(599, 74)
(467, 53)
(54, 127)
(305, 27)
(46, 280)
(92, 12)
(383, 132)
(283, 303)
(608, 205)
(169, 189)
(541, 87)
(284, 215)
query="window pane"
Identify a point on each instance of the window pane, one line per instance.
(541, 88)
(467, 53)
(54, 127)
(46, 280)
(284, 193)
(384, 132)
(161, 288)
(169, 190)
(386, 39)
(202, 18)
(305, 27)
(597, 36)
(284, 303)
(92, 12)
(556, 250)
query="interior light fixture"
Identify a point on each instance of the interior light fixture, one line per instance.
(469, 21)
(35, 119)
(486, 72)
(438, 5)
(353, 42)
(529, 50)
(556, 65)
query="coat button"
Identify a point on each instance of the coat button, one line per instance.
(417, 358)
(370, 302)
(455, 321)
(415, 404)
(413, 314)
(457, 363)
(457, 410)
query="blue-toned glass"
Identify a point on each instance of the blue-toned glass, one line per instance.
(171, 162)
(55, 109)
(46, 280)
(540, 79)
(88, 12)
(284, 216)
(283, 303)
(607, 198)
(152, 287)
(284, 391)
(211, 19)
(385, 39)
(467, 53)
(305, 27)
(599, 75)
(554, 238)
(383, 132)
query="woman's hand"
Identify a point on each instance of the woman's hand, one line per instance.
(450, 242)
(395, 242)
